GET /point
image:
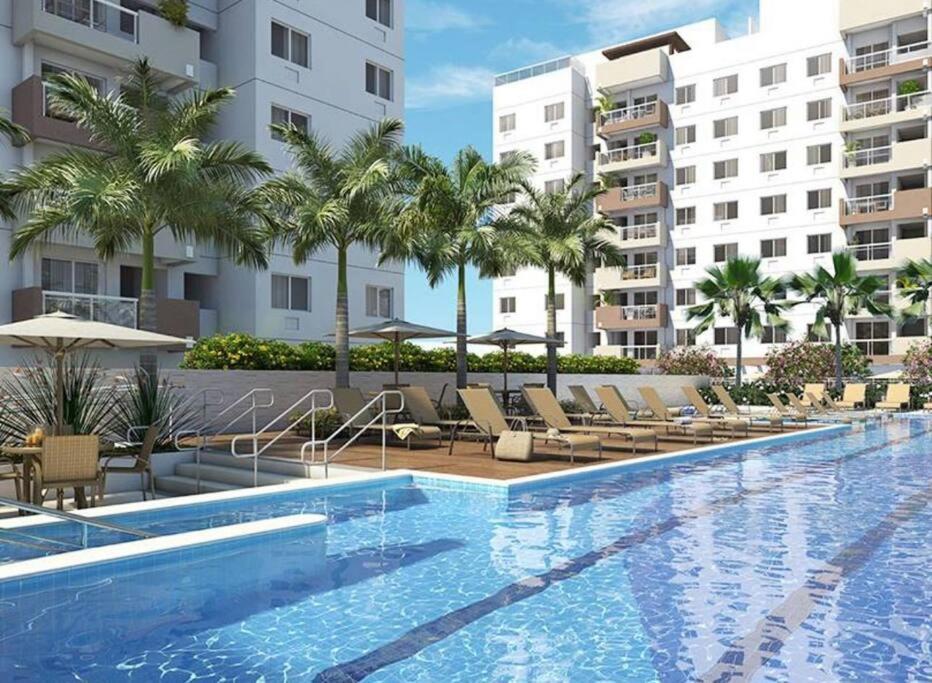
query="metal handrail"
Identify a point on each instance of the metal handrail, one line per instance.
(643, 312)
(871, 251)
(644, 271)
(350, 423)
(614, 156)
(132, 433)
(637, 111)
(861, 205)
(639, 191)
(58, 9)
(639, 232)
(881, 58)
(883, 106)
(869, 156)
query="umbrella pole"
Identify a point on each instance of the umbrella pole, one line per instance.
(59, 391)
(397, 359)
(505, 374)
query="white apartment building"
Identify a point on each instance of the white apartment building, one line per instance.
(809, 134)
(336, 67)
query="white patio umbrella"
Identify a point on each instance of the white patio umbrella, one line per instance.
(59, 334)
(397, 331)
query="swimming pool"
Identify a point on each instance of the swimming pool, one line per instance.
(801, 560)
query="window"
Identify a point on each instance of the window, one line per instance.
(773, 335)
(506, 304)
(819, 199)
(291, 293)
(99, 84)
(380, 11)
(506, 123)
(284, 116)
(773, 248)
(819, 109)
(553, 112)
(380, 302)
(772, 75)
(291, 45)
(726, 335)
(725, 169)
(685, 135)
(554, 150)
(686, 256)
(685, 175)
(686, 297)
(813, 336)
(686, 337)
(818, 154)
(726, 85)
(559, 301)
(554, 186)
(724, 252)
(773, 204)
(725, 211)
(380, 81)
(819, 244)
(686, 215)
(773, 118)
(773, 161)
(820, 64)
(724, 128)
(685, 94)
(69, 276)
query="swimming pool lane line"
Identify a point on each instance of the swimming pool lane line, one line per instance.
(421, 637)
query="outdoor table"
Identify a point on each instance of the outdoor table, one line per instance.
(29, 454)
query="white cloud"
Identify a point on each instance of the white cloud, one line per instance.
(448, 84)
(429, 16)
(524, 51)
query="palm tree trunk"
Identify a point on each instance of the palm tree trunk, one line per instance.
(342, 324)
(552, 329)
(148, 317)
(739, 361)
(838, 368)
(461, 359)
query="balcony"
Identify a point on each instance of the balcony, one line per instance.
(873, 256)
(858, 14)
(614, 318)
(649, 196)
(631, 119)
(916, 249)
(176, 317)
(644, 276)
(649, 67)
(900, 205)
(648, 235)
(649, 155)
(885, 64)
(645, 353)
(886, 112)
(900, 156)
(31, 111)
(105, 32)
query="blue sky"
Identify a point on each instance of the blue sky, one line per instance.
(455, 47)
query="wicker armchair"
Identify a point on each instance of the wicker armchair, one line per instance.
(142, 466)
(68, 461)
(12, 474)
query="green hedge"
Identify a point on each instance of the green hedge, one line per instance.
(239, 351)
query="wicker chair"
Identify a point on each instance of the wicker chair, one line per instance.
(12, 474)
(68, 461)
(142, 465)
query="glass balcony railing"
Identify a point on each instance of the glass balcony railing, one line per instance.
(874, 251)
(641, 272)
(649, 312)
(882, 58)
(639, 192)
(888, 105)
(865, 205)
(639, 111)
(100, 15)
(106, 309)
(869, 156)
(630, 233)
(622, 154)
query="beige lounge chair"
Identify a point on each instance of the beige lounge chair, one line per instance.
(855, 395)
(787, 412)
(142, 464)
(660, 412)
(800, 407)
(545, 404)
(734, 425)
(351, 404)
(68, 461)
(897, 397)
(622, 414)
(490, 423)
(813, 394)
(422, 409)
(594, 413)
(731, 408)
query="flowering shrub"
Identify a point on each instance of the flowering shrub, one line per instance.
(917, 370)
(693, 360)
(790, 366)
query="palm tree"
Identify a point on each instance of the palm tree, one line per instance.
(915, 283)
(155, 173)
(558, 233)
(17, 135)
(738, 291)
(448, 224)
(335, 199)
(840, 294)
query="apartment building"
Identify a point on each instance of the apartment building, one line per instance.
(333, 67)
(808, 134)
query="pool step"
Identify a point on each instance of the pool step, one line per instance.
(225, 474)
(290, 468)
(184, 486)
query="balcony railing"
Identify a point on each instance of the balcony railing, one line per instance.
(648, 352)
(101, 15)
(639, 192)
(869, 156)
(882, 58)
(638, 111)
(646, 271)
(621, 154)
(107, 309)
(874, 251)
(887, 105)
(875, 204)
(649, 312)
(630, 233)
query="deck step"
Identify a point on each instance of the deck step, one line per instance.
(236, 476)
(289, 468)
(185, 486)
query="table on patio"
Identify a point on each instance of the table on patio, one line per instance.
(30, 454)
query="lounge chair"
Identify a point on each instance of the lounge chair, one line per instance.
(662, 413)
(731, 409)
(897, 397)
(623, 415)
(732, 424)
(351, 405)
(422, 409)
(812, 406)
(488, 420)
(855, 395)
(68, 461)
(785, 411)
(142, 463)
(545, 404)
(594, 413)
(813, 394)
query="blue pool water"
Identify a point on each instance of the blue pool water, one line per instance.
(802, 561)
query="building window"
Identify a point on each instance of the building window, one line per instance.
(506, 123)
(726, 85)
(773, 118)
(75, 277)
(686, 297)
(99, 84)
(819, 109)
(724, 252)
(685, 175)
(773, 204)
(724, 128)
(725, 169)
(772, 75)
(726, 336)
(819, 199)
(283, 116)
(818, 65)
(773, 335)
(773, 161)
(506, 304)
(380, 11)
(554, 150)
(686, 215)
(685, 337)
(380, 81)
(685, 135)
(819, 244)
(818, 154)
(380, 302)
(291, 293)
(685, 94)
(686, 256)
(812, 336)
(775, 248)
(553, 112)
(554, 186)
(559, 301)
(291, 45)
(725, 211)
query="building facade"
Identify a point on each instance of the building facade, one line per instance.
(787, 143)
(333, 67)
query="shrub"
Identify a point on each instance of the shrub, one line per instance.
(238, 351)
(908, 87)
(693, 360)
(174, 11)
(917, 370)
(791, 365)
(596, 365)
(326, 423)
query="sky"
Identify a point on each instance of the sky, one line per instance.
(454, 49)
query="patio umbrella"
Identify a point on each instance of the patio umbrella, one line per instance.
(59, 334)
(397, 331)
(507, 339)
